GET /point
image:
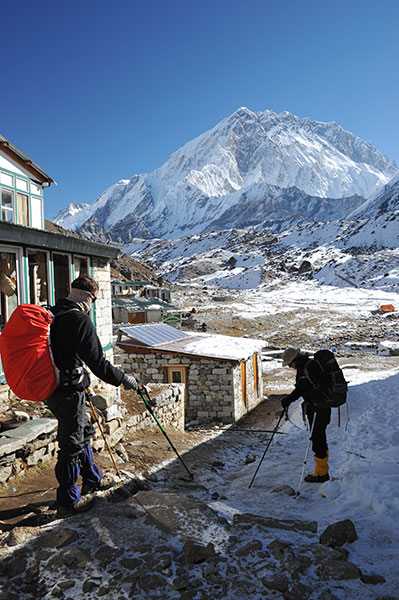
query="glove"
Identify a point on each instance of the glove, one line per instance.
(286, 401)
(129, 382)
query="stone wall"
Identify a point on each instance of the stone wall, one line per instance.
(33, 442)
(213, 386)
(103, 317)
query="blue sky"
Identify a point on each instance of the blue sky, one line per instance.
(97, 90)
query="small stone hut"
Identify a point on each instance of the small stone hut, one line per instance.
(222, 374)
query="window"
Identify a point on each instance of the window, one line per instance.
(38, 277)
(37, 212)
(22, 184)
(8, 286)
(61, 275)
(7, 205)
(81, 266)
(6, 179)
(22, 209)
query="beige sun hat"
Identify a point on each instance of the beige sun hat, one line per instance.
(289, 355)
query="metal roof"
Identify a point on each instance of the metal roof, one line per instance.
(27, 162)
(139, 304)
(201, 345)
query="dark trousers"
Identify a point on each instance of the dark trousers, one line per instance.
(319, 437)
(75, 456)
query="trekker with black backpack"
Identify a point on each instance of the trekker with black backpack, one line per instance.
(320, 382)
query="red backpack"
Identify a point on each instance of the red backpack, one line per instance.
(26, 354)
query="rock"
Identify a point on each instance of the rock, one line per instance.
(284, 489)
(196, 553)
(152, 581)
(131, 564)
(372, 579)
(320, 553)
(73, 558)
(338, 534)
(13, 566)
(277, 548)
(19, 535)
(279, 582)
(106, 554)
(58, 538)
(249, 548)
(305, 267)
(337, 569)
(250, 458)
(298, 592)
(180, 583)
(327, 595)
(248, 520)
(89, 586)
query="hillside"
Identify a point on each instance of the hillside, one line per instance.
(124, 267)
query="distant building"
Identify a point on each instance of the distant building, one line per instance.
(129, 309)
(38, 266)
(222, 374)
(142, 289)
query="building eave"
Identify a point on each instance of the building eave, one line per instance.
(25, 162)
(20, 235)
(162, 350)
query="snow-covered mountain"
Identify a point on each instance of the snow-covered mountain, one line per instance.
(359, 252)
(250, 169)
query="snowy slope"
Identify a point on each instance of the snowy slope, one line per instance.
(248, 158)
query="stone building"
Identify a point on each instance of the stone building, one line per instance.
(222, 374)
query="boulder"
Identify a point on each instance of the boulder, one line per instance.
(338, 534)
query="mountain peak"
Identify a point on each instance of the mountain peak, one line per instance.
(252, 157)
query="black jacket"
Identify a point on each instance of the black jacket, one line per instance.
(74, 341)
(309, 378)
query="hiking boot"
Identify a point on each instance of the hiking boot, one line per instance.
(104, 484)
(73, 509)
(320, 473)
(317, 478)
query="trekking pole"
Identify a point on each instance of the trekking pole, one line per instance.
(144, 395)
(88, 393)
(267, 447)
(305, 459)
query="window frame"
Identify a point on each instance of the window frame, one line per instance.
(4, 208)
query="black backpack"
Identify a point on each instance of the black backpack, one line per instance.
(333, 394)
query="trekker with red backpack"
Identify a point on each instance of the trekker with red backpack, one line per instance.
(310, 382)
(74, 342)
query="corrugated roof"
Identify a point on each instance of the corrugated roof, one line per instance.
(139, 304)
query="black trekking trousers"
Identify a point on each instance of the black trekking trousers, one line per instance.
(319, 436)
(74, 427)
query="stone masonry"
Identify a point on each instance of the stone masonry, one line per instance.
(33, 442)
(214, 389)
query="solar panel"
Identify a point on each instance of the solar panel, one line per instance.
(152, 335)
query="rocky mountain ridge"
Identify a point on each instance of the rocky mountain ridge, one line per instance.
(361, 252)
